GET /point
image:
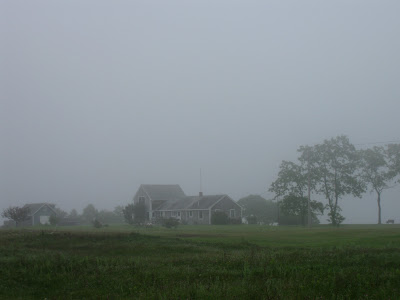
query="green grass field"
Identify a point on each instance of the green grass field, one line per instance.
(201, 262)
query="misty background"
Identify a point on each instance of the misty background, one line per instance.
(98, 97)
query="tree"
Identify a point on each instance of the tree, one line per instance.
(334, 166)
(135, 213)
(139, 213)
(96, 223)
(119, 211)
(61, 214)
(15, 213)
(73, 213)
(89, 213)
(292, 205)
(54, 220)
(263, 210)
(393, 154)
(107, 217)
(376, 172)
(128, 213)
(294, 180)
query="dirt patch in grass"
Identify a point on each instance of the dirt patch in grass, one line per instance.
(190, 235)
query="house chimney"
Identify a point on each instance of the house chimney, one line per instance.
(200, 194)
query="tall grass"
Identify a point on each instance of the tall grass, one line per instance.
(232, 262)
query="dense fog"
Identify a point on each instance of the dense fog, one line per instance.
(98, 97)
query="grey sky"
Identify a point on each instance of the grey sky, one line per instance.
(98, 97)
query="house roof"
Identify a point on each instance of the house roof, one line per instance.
(34, 207)
(163, 191)
(191, 202)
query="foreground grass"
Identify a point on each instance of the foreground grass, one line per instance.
(201, 262)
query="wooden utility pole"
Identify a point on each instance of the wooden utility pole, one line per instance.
(309, 188)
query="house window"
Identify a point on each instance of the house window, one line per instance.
(191, 214)
(153, 214)
(179, 213)
(142, 199)
(200, 215)
(174, 213)
(232, 213)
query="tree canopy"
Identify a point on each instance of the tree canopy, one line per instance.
(330, 169)
(89, 213)
(377, 171)
(16, 213)
(264, 210)
(335, 166)
(292, 205)
(134, 213)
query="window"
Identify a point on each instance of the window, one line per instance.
(179, 213)
(142, 199)
(174, 213)
(200, 215)
(153, 214)
(191, 214)
(232, 213)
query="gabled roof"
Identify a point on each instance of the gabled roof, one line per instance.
(163, 191)
(205, 202)
(191, 202)
(34, 207)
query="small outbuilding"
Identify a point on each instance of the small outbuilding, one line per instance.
(39, 213)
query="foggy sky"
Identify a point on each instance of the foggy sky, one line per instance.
(98, 97)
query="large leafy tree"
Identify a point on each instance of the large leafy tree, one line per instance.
(260, 208)
(73, 213)
(292, 179)
(376, 172)
(16, 213)
(293, 183)
(61, 214)
(292, 205)
(335, 166)
(393, 155)
(89, 213)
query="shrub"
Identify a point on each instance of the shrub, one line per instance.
(236, 221)
(135, 213)
(53, 220)
(219, 218)
(170, 223)
(97, 223)
(251, 219)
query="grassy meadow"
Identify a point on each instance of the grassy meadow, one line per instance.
(201, 262)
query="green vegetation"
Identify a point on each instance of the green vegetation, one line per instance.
(201, 262)
(257, 209)
(335, 169)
